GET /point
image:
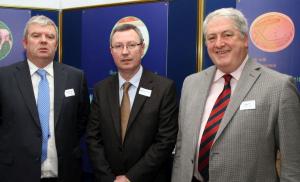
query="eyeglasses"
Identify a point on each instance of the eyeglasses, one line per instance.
(130, 46)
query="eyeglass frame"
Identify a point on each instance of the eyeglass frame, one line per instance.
(129, 46)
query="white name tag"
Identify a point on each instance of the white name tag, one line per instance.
(69, 92)
(145, 92)
(250, 104)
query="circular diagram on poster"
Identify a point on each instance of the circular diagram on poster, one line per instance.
(272, 32)
(138, 23)
(6, 40)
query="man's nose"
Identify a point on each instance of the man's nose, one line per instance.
(43, 39)
(125, 50)
(219, 42)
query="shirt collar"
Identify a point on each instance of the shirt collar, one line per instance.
(135, 80)
(33, 68)
(236, 74)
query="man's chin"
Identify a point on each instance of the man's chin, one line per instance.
(46, 58)
(44, 55)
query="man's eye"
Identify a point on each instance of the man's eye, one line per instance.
(211, 38)
(131, 46)
(118, 46)
(50, 37)
(35, 35)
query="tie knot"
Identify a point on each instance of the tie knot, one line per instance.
(227, 78)
(41, 73)
(126, 86)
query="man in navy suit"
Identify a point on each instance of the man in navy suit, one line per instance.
(21, 126)
(139, 149)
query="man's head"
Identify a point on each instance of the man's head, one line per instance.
(127, 48)
(226, 37)
(40, 40)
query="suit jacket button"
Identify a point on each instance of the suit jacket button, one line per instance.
(38, 159)
(192, 161)
(120, 148)
(214, 153)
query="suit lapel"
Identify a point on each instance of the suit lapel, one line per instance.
(113, 96)
(201, 94)
(25, 85)
(248, 77)
(145, 82)
(60, 77)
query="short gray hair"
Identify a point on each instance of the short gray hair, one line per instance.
(125, 27)
(40, 20)
(237, 16)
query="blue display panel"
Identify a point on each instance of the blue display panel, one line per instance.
(273, 39)
(97, 24)
(12, 23)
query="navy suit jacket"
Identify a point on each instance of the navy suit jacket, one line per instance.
(20, 131)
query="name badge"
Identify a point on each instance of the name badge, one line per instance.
(246, 105)
(145, 92)
(69, 92)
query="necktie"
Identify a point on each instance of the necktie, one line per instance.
(43, 104)
(125, 109)
(212, 127)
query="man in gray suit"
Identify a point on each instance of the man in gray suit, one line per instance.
(235, 136)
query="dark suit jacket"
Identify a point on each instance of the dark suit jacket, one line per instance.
(150, 135)
(20, 132)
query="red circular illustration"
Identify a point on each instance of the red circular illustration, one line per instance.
(272, 32)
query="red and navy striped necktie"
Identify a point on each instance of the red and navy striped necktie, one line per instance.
(212, 126)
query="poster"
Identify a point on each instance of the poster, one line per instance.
(12, 23)
(97, 25)
(274, 41)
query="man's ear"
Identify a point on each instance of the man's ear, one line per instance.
(143, 46)
(24, 43)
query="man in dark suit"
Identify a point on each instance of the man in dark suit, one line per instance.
(132, 143)
(39, 137)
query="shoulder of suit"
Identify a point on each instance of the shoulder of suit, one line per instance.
(108, 80)
(201, 73)
(11, 67)
(68, 67)
(156, 77)
(271, 73)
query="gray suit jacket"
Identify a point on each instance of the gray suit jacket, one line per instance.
(245, 146)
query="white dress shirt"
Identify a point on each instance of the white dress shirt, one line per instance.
(49, 166)
(215, 90)
(135, 81)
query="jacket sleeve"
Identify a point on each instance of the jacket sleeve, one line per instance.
(288, 133)
(101, 168)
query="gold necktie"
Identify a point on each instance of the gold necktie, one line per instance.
(125, 109)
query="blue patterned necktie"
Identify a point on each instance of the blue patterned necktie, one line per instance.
(43, 104)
